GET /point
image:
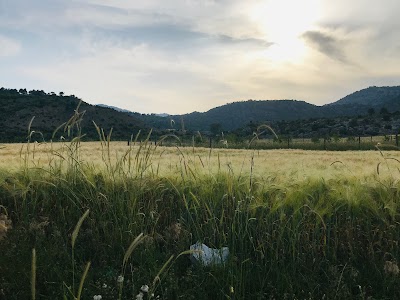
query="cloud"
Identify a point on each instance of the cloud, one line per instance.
(126, 76)
(106, 16)
(256, 42)
(9, 47)
(177, 56)
(326, 44)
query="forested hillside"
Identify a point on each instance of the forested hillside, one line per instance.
(372, 96)
(49, 111)
(367, 112)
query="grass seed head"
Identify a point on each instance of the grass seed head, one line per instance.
(5, 225)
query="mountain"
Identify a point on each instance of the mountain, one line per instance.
(373, 96)
(235, 115)
(128, 111)
(114, 108)
(159, 121)
(50, 111)
(164, 115)
(238, 114)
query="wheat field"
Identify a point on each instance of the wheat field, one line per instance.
(283, 165)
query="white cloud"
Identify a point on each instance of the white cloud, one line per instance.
(9, 47)
(359, 12)
(119, 74)
(182, 55)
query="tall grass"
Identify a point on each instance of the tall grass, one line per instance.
(288, 239)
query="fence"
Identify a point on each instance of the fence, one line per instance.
(331, 144)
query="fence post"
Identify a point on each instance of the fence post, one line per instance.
(397, 139)
(210, 142)
(359, 142)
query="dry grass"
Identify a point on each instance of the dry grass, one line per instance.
(282, 165)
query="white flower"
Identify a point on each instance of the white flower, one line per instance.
(97, 297)
(145, 288)
(139, 296)
(104, 286)
(120, 279)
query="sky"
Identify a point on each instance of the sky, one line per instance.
(179, 56)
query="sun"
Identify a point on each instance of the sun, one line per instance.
(282, 22)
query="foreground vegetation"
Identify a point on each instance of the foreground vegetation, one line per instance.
(299, 225)
(103, 220)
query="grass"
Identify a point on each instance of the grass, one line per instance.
(106, 219)
(169, 161)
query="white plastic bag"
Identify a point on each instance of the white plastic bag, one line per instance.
(208, 256)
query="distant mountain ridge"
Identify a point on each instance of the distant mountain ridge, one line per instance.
(237, 114)
(114, 108)
(234, 115)
(371, 96)
(51, 110)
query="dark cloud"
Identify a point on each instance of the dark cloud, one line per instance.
(171, 38)
(229, 40)
(163, 34)
(326, 44)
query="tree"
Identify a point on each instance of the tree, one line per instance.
(215, 128)
(353, 123)
(336, 137)
(385, 114)
(371, 111)
(386, 117)
(252, 127)
(384, 111)
(315, 139)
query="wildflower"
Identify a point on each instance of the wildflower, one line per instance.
(120, 279)
(104, 286)
(145, 288)
(139, 296)
(97, 297)
(391, 268)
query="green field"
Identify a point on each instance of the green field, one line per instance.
(298, 224)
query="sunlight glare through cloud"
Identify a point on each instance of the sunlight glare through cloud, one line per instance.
(283, 22)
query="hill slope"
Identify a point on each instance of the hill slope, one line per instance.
(238, 114)
(372, 96)
(50, 111)
(19, 106)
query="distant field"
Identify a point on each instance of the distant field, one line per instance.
(169, 161)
